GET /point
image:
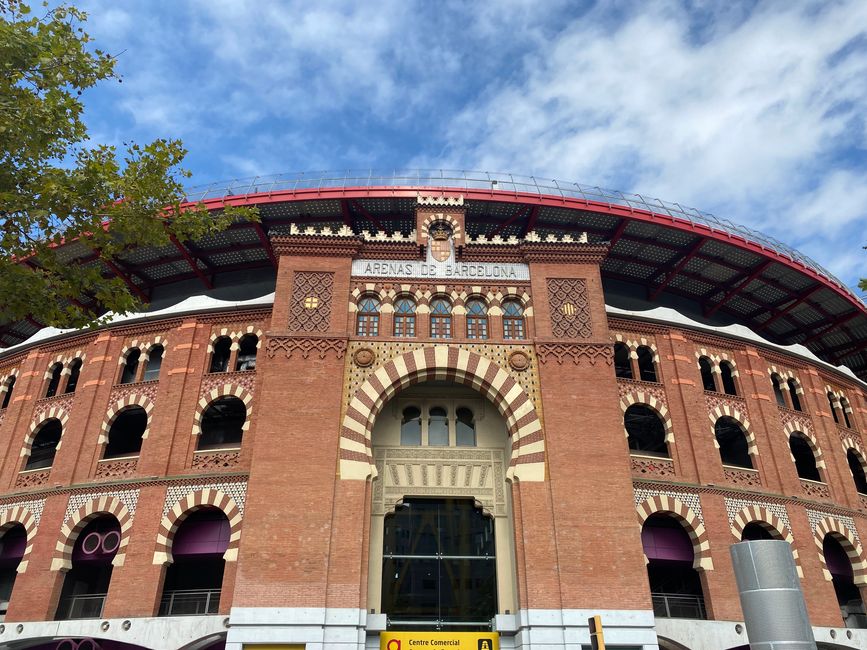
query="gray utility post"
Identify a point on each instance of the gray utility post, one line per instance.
(771, 599)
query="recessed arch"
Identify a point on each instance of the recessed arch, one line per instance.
(760, 514)
(664, 504)
(16, 515)
(186, 506)
(104, 505)
(53, 413)
(226, 390)
(655, 405)
(832, 526)
(741, 419)
(449, 364)
(130, 400)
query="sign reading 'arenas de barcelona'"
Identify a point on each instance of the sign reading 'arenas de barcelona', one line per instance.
(454, 412)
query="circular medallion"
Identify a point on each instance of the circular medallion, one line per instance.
(519, 360)
(364, 357)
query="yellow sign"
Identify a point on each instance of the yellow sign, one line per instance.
(439, 641)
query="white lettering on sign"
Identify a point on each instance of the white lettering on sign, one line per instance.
(445, 270)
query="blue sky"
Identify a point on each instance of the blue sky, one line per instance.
(754, 111)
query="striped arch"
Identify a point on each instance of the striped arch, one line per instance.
(434, 218)
(104, 505)
(726, 411)
(831, 526)
(226, 390)
(121, 405)
(250, 329)
(442, 362)
(65, 359)
(662, 503)
(218, 334)
(186, 506)
(809, 438)
(20, 515)
(53, 413)
(657, 406)
(770, 522)
(851, 443)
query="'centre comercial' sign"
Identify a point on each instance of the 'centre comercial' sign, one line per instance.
(439, 641)
(439, 270)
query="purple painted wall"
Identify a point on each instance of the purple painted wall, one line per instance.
(665, 539)
(836, 559)
(98, 542)
(205, 532)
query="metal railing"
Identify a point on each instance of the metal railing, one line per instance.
(84, 606)
(496, 181)
(190, 602)
(678, 606)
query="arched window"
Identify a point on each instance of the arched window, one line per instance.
(223, 423)
(85, 585)
(513, 320)
(728, 378)
(706, 369)
(247, 348)
(856, 466)
(410, 426)
(130, 366)
(646, 430)
(733, 445)
(7, 396)
(404, 317)
(440, 319)
(844, 409)
(54, 381)
(368, 316)
(646, 367)
(832, 402)
(74, 374)
(675, 586)
(155, 361)
(778, 392)
(477, 319)
(44, 445)
(220, 356)
(125, 434)
(793, 394)
(12, 547)
(622, 362)
(194, 579)
(754, 531)
(842, 577)
(805, 460)
(465, 428)
(438, 427)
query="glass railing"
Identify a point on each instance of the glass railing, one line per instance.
(84, 606)
(190, 602)
(678, 606)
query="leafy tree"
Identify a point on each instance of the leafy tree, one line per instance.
(56, 187)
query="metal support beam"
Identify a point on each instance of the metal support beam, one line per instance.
(803, 297)
(692, 252)
(344, 211)
(266, 243)
(367, 215)
(618, 233)
(831, 326)
(531, 221)
(520, 212)
(192, 262)
(127, 280)
(731, 293)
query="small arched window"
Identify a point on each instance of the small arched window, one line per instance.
(54, 380)
(844, 409)
(74, 374)
(622, 362)
(125, 434)
(646, 366)
(7, 395)
(220, 356)
(856, 466)
(793, 394)
(645, 430)
(404, 317)
(438, 427)
(477, 319)
(368, 316)
(154, 363)
(247, 348)
(778, 391)
(832, 402)
(44, 445)
(513, 320)
(465, 428)
(440, 319)
(805, 459)
(223, 423)
(707, 380)
(130, 366)
(727, 374)
(755, 531)
(410, 426)
(734, 449)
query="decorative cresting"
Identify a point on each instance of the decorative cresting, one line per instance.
(12, 516)
(662, 503)
(120, 405)
(727, 411)
(768, 520)
(809, 438)
(106, 504)
(226, 390)
(186, 506)
(53, 413)
(832, 526)
(443, 363)
(653, 404)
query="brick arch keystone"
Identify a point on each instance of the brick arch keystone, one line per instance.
(832, 526)
(662, 503)
(226, 390)
(186, 506)
(20, 515)
(761, 515)
(655, 405)
(104, 505)
(447, 363)
(121, 405)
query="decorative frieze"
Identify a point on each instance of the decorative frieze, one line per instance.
(116, 469)
(576, 353)
(32, 478)
(216, 460)
(652, 467)
(305, 346)
(742, 477)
